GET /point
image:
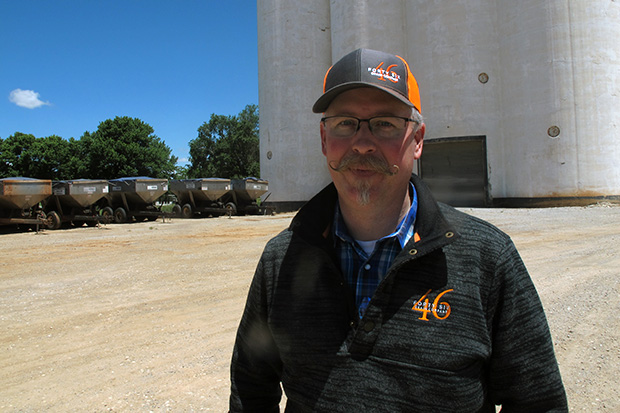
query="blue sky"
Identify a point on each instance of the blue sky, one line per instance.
(68, 65)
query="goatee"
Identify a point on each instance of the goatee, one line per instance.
(366, 162)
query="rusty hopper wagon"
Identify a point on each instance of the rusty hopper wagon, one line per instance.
(201, 196)
(134, 198)
(246, 196)
(19, 200)
(74, 201)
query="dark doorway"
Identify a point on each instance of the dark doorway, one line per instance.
(456, 170)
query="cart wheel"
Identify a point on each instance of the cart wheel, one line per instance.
(107, 212)
(120, 215)
(53, 220)
(187, 211)
(177, 211)
(231, 208)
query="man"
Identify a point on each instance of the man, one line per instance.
(377, 298)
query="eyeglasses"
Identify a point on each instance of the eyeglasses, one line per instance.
(382, 127)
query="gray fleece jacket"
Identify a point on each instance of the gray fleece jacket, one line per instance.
(455, 326)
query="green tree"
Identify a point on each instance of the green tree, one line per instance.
(226, 146)
(16, 155)
(76, 163)
(126, 146)
(181, 172)
(49, 157)
(203, 149)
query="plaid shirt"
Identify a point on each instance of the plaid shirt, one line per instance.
(364, 272)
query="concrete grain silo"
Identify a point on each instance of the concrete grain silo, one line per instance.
(294, 50)
(521, 99)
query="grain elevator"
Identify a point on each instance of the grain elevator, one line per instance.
(521, 100)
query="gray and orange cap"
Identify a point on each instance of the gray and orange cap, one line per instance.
(370, 68)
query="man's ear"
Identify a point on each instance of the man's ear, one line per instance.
(419, 141)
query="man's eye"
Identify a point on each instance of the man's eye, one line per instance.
(346, 122)
(385, 124)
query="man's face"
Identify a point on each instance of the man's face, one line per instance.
(363, 183)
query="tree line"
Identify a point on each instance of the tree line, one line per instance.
(225, 147)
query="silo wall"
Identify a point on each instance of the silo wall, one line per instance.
(451, 46)
(537, 81)
(367, 24)
(294, 48)
(585, 64)
(549, 107)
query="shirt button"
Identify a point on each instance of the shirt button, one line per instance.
(367, 267)
(369, 326)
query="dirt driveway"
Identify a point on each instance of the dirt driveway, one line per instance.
(142, 317)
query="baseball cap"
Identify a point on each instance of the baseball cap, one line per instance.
(370, 68)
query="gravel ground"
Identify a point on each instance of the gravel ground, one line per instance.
(142, 317)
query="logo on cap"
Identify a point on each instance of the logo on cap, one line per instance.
(369, 68)
(384, 74)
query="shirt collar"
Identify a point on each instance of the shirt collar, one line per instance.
(403, 233)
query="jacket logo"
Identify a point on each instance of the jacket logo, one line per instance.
(385, 74)
(441, 310)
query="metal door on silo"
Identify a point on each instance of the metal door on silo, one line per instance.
(456, 170)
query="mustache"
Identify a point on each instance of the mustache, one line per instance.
(365, 161)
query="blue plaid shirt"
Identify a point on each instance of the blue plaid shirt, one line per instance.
(364, 272)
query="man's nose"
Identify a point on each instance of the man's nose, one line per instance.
(364, 140)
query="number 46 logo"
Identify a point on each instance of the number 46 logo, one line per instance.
(441, 310)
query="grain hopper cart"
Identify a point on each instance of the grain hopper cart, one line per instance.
(201, 196)
(74, 201)
(132, 198)
(20, 198)
(245, 197)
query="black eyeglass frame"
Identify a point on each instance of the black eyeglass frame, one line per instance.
(359, 121)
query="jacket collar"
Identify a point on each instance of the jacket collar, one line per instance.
(314, 219)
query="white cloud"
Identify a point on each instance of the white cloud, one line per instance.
(26, 99)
